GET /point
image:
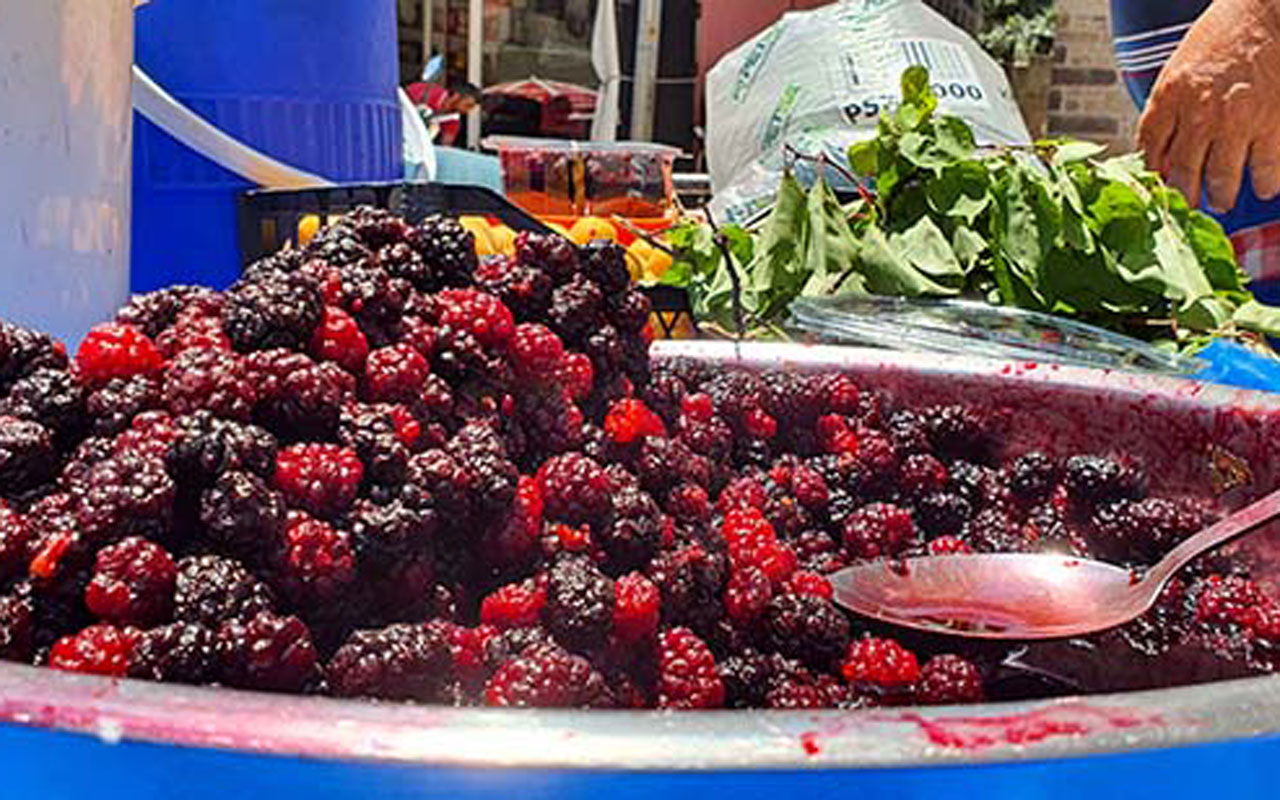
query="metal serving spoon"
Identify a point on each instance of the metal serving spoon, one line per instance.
(1025, 595)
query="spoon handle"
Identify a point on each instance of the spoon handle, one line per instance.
(1243, 521)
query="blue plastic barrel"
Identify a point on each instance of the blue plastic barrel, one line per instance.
(309, 83)
(63, 766)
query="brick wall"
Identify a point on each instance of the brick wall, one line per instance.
(1088, 99)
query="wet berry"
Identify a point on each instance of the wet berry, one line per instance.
(133, 582)
(113, 407)
(878, 530)
(113, 350)
(399, 662)
(205, 447)
(339, 339)
(480, 314)
(580, 603)
(210, 590)
(316, 562)
(546, 676)
(687, 675)
(395, 374)
(242, 515)
(516, 605)
(176, 653)
(536, 353)
(575, 488)
(809, 629)
(882, 663)
(282, 312)
(629, 420)
(321, 478)
(210, 380)
(267, 653)
(98, 650)
(949, 679)
(27, 457)
(637, 608)
(748, 592)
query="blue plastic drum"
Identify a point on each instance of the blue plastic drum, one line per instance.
(309, 83)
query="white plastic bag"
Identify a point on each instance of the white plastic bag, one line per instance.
(816, 82)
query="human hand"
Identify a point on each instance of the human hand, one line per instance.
(1216, 106)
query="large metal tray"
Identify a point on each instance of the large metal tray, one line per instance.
(1186, 432)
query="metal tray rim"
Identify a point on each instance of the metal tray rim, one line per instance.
(325, 728)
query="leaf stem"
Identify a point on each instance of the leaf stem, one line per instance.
(722, 242)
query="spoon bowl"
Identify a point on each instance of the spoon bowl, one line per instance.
(996, 596)
(1025, 595)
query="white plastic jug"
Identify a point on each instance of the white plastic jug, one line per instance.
(65, 148)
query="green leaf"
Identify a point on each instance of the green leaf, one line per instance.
(887, 272)
(1259, 318)
(955, 137)
(832, 248)
(680, 275)
(778, 257)
(1214, 251)
(1204, 314)
(927, 249)
(849, 282)
(1018, 235)
(741, 245)
(968, 246)
(1091, 283)
(918, 100)
(1012, 286)
(864, 158)
(945, 142)
(1187, 282)
(962, 191)
(1120, 217)
(1071, 151)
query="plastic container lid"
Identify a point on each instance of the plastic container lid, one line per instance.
(963, 327)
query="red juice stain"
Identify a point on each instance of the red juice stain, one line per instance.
(809, 741)
(978, 733)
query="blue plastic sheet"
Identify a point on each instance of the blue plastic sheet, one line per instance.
(1231, 364)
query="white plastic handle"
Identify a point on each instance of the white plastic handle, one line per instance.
(181, 123)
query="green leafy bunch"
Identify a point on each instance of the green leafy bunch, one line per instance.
(1014, 31)
(1053, 228)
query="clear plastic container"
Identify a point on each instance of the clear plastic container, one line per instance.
(961, 327)
(562, 178)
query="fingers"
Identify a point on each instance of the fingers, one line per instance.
(1264, 166)
(1184, 164)
(1224, 168)
(1155, 130)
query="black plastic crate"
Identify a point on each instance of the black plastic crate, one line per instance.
(269, 220)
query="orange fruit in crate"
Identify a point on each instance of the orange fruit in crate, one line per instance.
(638, 259)
(658, 263)
(504, 239)
(647, 263)
(479, 228)
(589, 229)
(308, 227)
